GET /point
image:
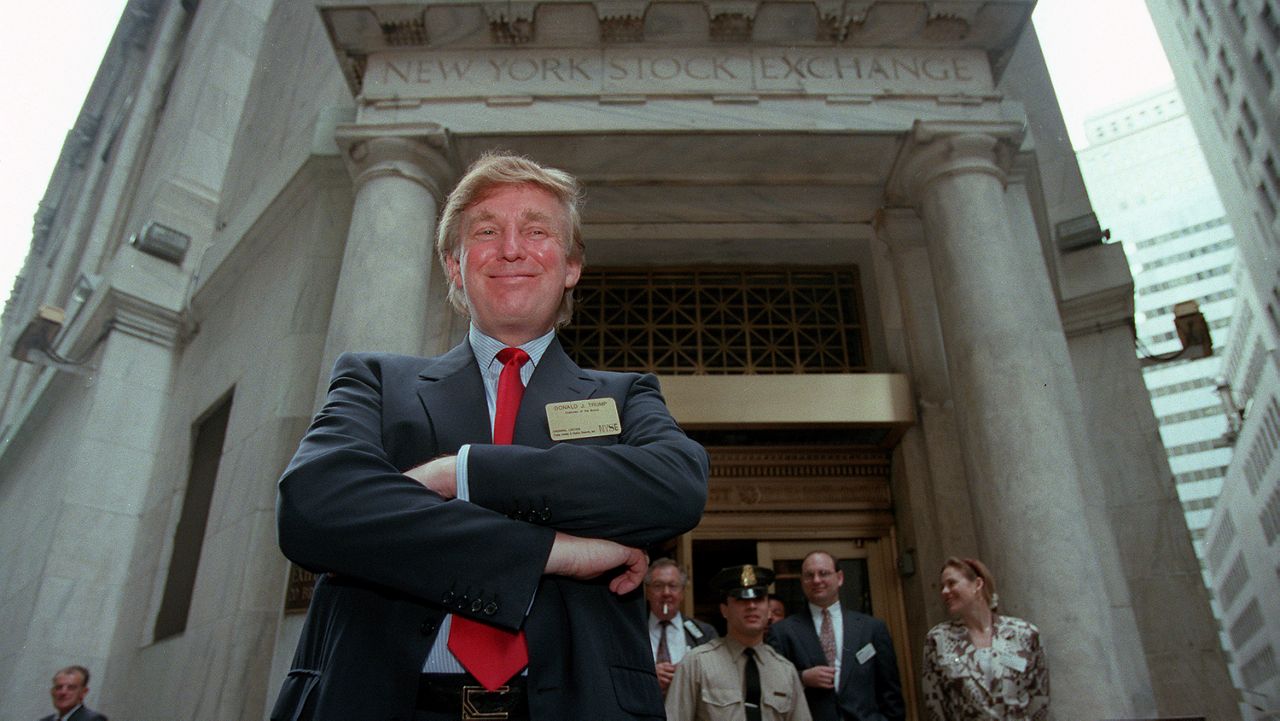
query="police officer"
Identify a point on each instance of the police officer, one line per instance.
(738, 677)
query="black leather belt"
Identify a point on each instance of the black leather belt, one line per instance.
(462, 695)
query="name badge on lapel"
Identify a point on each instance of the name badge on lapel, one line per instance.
(583, 419)
(866, 653)
(693, 629)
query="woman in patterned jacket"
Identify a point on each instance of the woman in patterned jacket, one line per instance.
(981, 664)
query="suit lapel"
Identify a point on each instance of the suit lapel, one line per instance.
(809, 637)
(450, 387)
(849, 649)
(555, 379)
(452, 395)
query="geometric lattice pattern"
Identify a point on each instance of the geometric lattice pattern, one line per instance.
(718, 321)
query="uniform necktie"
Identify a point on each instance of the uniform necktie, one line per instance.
(828, 637)
(751, 685)
(664, 653)
(493, 655)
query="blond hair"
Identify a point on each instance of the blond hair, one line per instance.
(490, 172)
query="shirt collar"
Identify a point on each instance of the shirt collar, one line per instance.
(676, 620)
(486, 347)
(817, 610)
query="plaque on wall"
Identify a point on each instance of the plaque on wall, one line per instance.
(297, 596)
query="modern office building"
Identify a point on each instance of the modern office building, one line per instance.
(1225, 56)
(851, 240)
(1150, 186)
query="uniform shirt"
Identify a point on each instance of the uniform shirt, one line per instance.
(708, 685)
(1014, 684)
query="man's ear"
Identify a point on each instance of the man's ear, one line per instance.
(453, 268)
(573, 272)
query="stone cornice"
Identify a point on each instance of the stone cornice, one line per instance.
(1106, 309)
(357, 31)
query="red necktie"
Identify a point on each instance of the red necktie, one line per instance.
(493, 655)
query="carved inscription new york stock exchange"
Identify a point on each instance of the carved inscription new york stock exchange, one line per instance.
(688, 71)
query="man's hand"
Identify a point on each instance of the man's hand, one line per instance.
(439, 475)
(819, 677)
(585, 558)
(666, 672)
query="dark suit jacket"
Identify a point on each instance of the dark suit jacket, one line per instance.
(397, 557)
(708, 633)
(867, 692)
(84, 713)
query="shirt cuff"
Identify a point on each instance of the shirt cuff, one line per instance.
(463, 483)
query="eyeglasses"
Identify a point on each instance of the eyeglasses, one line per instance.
(666, 586)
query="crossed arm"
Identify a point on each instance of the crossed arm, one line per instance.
(345, 508)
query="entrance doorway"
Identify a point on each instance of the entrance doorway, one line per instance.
(773, 505)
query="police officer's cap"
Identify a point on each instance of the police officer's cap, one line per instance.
(743, 581)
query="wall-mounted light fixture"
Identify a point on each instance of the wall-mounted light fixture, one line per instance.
(162, 241)
(39, 334)
(1080, 232)
(1193, 333)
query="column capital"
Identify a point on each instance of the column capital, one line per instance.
(411, 151)
(934, 149)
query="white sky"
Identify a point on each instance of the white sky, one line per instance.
(1100, 53)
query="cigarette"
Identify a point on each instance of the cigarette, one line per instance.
(666, 608)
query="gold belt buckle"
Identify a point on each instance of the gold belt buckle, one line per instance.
(469, 710)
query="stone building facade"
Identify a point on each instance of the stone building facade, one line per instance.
(850, 237)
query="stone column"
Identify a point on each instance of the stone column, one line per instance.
(936, 492)
(1012, 381)
(388, 266)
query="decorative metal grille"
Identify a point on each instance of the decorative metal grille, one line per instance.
(718, 322)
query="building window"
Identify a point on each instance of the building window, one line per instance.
(1184, 280)
(1250, 121)
(1221, 543)
(1234, 582)
(1271, 23)
(1270, 517)
(1200, 43)
(1264, 69)
(1203, 474)
(1273, 177)
(1199, 504)
(1220, 88)
(1259, 669)
(1247, 626)
(1265, 198)
(1205, 17)
(209, 433)
(1234, 6)
(1191, 415)
(1242, 145)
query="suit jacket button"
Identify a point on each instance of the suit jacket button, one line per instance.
(476, 605)
(490, 609)
(448, 597)
(427, 628)
(545, 515)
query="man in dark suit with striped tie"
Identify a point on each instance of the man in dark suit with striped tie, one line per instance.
(845, 658)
